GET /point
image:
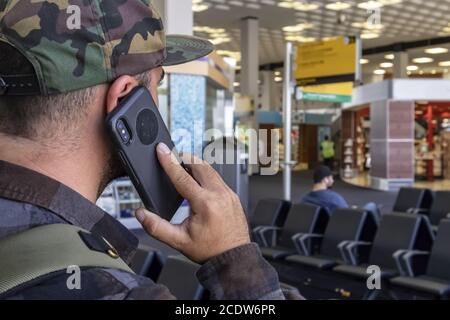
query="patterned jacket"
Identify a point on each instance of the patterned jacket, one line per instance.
(29, 199)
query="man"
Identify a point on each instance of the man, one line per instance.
(56, 87)
(321, 195)
(327, 148)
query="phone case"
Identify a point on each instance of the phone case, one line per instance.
(146, 129)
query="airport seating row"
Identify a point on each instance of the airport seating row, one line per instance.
(312, 244)
(312, 248)
(177, 273)
(435, 205)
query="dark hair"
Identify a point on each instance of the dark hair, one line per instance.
(327, 138)
(40, 117)
(321, 173)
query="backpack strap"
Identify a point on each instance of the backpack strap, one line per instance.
(43, 250)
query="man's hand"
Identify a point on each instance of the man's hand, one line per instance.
(217, 223)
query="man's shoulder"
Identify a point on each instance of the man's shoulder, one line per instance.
(93, 284)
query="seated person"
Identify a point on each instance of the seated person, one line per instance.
(321, 195)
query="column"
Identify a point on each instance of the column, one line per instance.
(177, 15)
(392, 144)
(266, 97)
(401, 61)
(250, 74)
(250, 57)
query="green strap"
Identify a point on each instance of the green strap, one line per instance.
(43, 250)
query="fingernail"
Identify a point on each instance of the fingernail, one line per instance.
(140, 215)
(163, 148)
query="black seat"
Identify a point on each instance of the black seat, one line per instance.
(268, 212)
(441, 207)
(147, 262)
(436, 280)
(179, 275)
(302, 218)
(344, 225)
(397, 231)
(411, 199)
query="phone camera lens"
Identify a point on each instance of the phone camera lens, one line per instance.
(123, 131)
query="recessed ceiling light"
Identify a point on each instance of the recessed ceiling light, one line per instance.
(278, 79)
(412, 68)
(444, 64)
(298, 27)
(436, 50)
(390, 56)
(389, 2)
(370, 5)
(368, 26)
(200, 7)
(369, 36)
(386, 65)
(236, 84)
(364, 61)
(380, 72)
(337, 6)
(423, 60)
(299, 39)
(300, 6)
(217, 41)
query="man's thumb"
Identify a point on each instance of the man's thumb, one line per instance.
(161, 229)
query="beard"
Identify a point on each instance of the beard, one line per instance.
(113, 170)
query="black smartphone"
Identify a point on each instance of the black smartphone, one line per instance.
(136, 128)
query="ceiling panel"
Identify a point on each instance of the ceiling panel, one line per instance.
(407, 20)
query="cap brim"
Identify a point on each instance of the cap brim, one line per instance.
(182, 49)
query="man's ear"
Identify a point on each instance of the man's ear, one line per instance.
(119, 89)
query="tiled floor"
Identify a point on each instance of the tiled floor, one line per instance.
(363, 180)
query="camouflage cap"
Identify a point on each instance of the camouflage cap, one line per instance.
(113, 38)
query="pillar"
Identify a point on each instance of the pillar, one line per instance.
(250, 57)
(266, 92)
(392, 144)
(401, 62)
(177, 15)
(250, 73)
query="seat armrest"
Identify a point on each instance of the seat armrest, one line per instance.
(268, 235)
(256, 236)
(350, 251)
(411, 262)
(302, 242)
(417, 211)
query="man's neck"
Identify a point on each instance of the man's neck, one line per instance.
(74, 168)
(319, 187)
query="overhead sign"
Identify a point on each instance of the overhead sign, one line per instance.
(326, 61)
(335, 92)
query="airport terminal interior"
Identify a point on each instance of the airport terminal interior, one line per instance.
(360, 88)
(372, 77)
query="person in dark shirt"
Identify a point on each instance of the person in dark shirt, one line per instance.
(321, 195)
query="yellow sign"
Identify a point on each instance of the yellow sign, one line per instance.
(327, 61)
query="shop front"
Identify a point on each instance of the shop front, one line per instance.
(397, 133)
